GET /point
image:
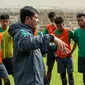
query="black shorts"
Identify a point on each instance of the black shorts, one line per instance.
(65, 64)
(51, 59)
(81, 64)
(8, 62)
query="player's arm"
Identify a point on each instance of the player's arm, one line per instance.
(71, 36)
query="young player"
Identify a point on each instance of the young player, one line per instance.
(64, 61)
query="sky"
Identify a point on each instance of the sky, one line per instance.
(72, 4)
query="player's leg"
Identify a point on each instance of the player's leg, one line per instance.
(63, 78)
(50, 64)
(69, 66)
(61, 66)
(81, 67)
(71, 79)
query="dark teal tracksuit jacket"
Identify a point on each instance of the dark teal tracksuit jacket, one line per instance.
(28, 62)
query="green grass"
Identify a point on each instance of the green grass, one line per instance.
(55, 76)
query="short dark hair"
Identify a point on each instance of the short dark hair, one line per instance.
(80, 15)
(51, 14)
(58, 20)
(4, 16)
(27, 11)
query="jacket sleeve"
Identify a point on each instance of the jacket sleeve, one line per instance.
(28, 42)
